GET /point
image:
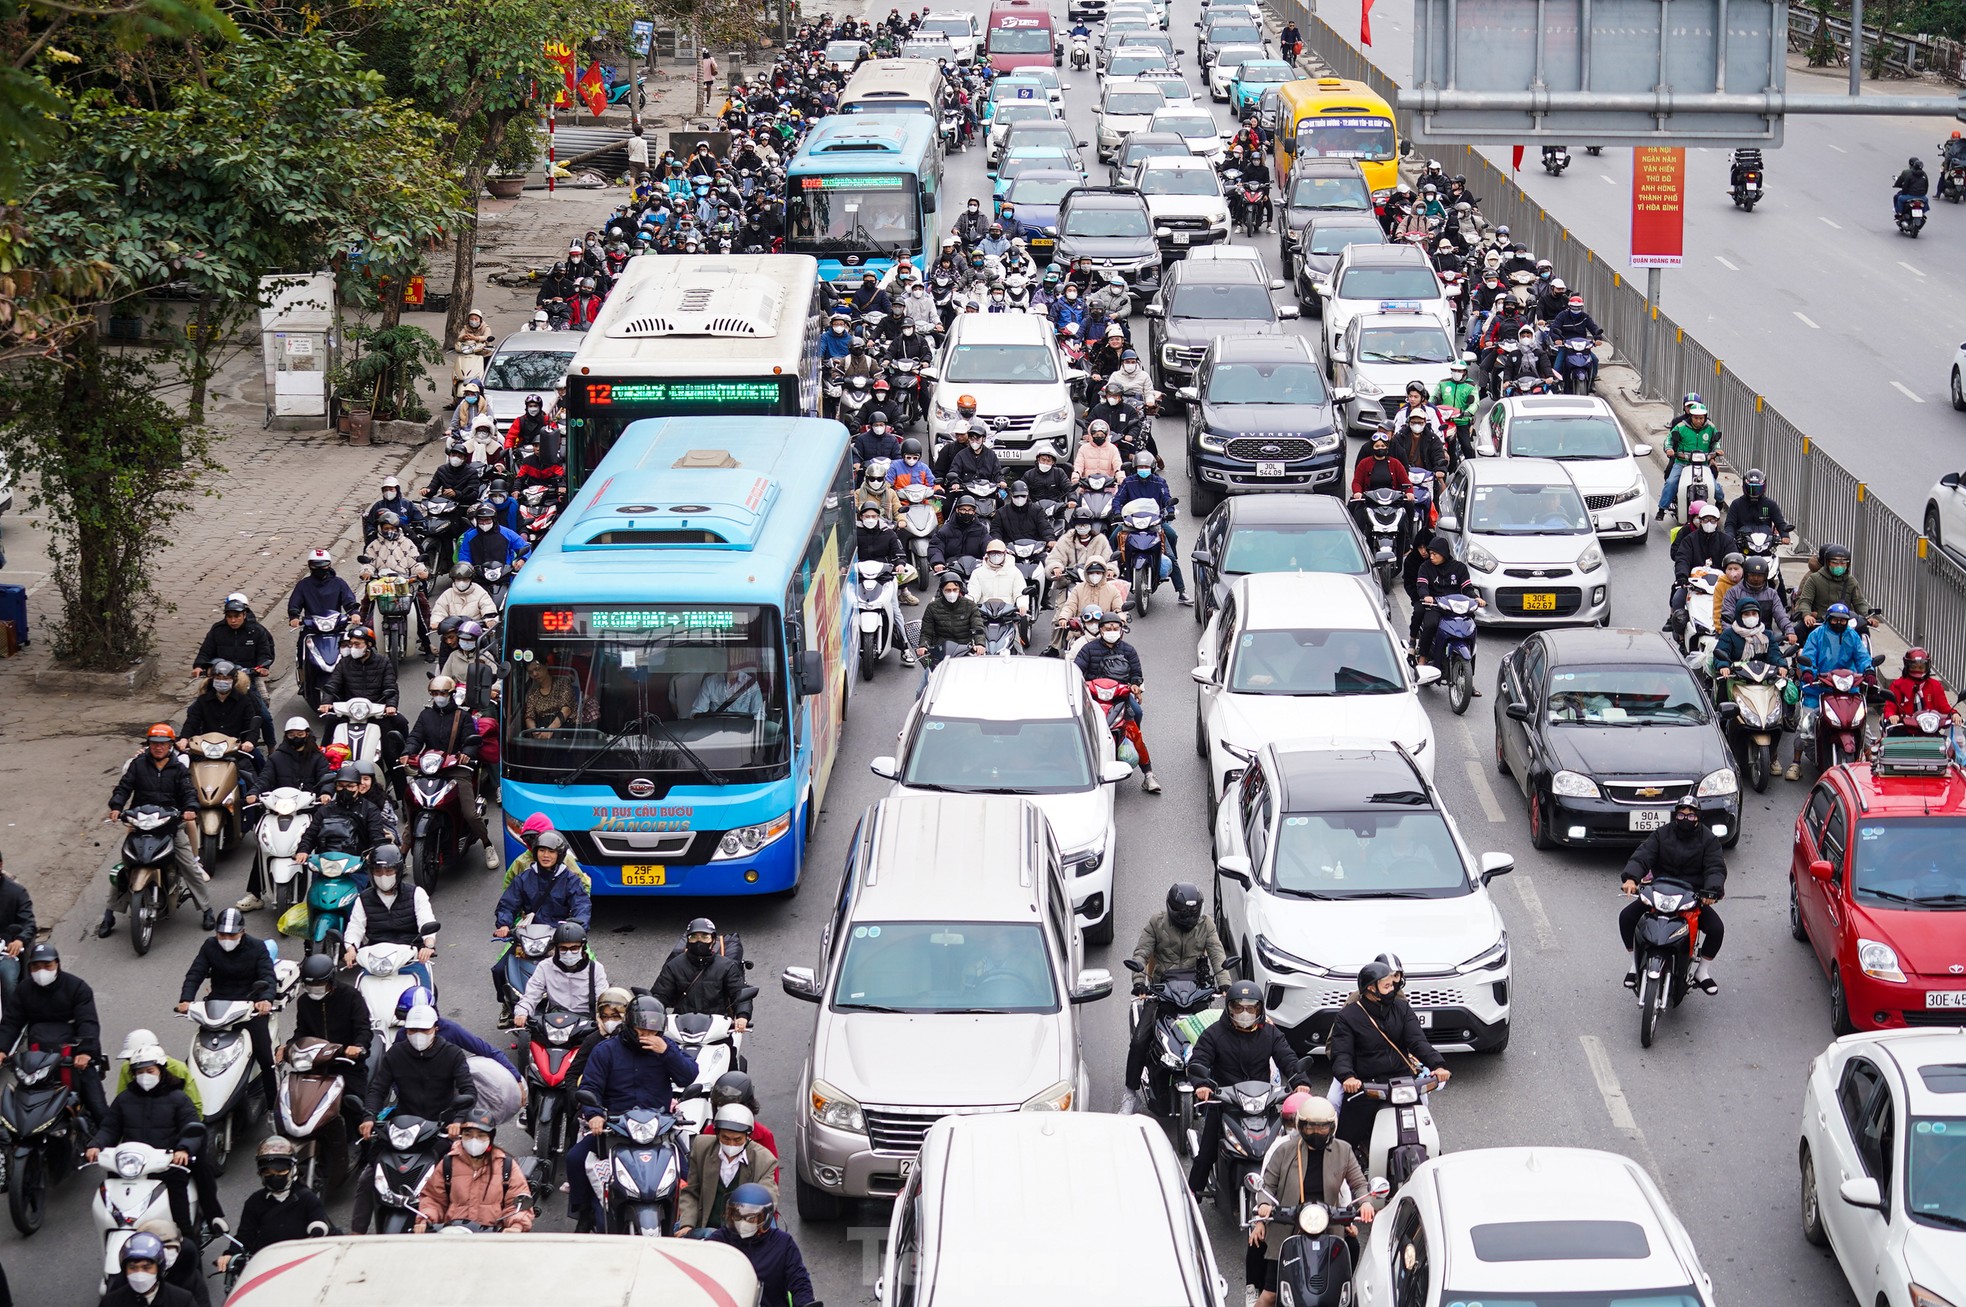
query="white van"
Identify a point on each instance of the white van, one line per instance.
(1009, 363)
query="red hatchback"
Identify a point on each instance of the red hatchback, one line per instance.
(1877, 886)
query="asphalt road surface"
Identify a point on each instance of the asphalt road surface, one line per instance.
(1711, 1109)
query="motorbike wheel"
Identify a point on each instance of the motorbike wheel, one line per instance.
(27, 1192)
(208, 848)
(396, 635)
(546, 1146)
(430, 865)
(870, 654)
(144, 906)
(218, 1148)
(1651, 1000)
(284, 895)
(1142, 588)
(1760, 761)
(1460, 684)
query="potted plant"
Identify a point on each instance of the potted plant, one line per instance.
(517, 153)
(377, 380)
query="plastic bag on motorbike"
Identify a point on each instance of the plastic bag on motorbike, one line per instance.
(496, 1088)
(293, 921)
(1127, 753)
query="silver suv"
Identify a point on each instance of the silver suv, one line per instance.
(948, 983)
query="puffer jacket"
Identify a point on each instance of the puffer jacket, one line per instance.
(1358, 1048)
(552, 987)
(488, 1190)
(372, 678)
(1164, 947)
(161, 1117)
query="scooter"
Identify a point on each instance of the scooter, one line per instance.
(1029, 557)
(436, 832)
(1140, 550)
(340, 877)
(132, 1193)
(148, 870)
(215, 762)
(856, 401)
(1081, 53)
(1695, 483)
(1002, 628)
(384, 979)
(226, 1076)
(1252, 1118)
(1096, 496)
(1840, 727)
(1385, 516)
(877, 613)
(1576, 364)
(905, 387)
(391, 597)
(917, 524)
(283, 820)
(538, 510)
(1453, 650)
(636, 1170)
(472, 355)
(1952, 182)
(1662, 950)
(1555, 159)
(406, 1152)
(442, 525)
(45, 1131)
(717, 1048)
(555, 1036)
(1183, 1009)
(952, 130)
(1314, 1265)
(1759, 714)
(358, 729)
(319, 652)
(1746, 188)
(1405, 1136)
(315, 1106)
(1911, 217)
(529, 945)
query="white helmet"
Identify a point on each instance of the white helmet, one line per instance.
(135, 1042)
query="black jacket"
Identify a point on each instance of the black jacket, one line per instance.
(120, 1294)
(1761, 511)
(249, 646)
(1358, 1048)
(16, 912)
(402, 506)
(372, 678)
(341, 828)
(434, 730)
(968, 464)
(1694, 860)
(1119, 662)
(232, 714)
(288, 767)
(1450, 577)
(343, 1017)
(1014, 523)
(243, 973)
(1226, 1056)
(1697, 548)
(464, 483)
(143, 783)
(265, 1220)
(1426, 452)
(881, 545)
(956, 538)
(959, 622)
(1053, 485)
(434, 1084)
(1913, 181)
(683, 986)
(161, 1117)
(53, 1015)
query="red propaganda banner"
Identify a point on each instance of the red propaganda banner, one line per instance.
(1515, 159)
(594, 89)
(1658, 206)
(562, 55)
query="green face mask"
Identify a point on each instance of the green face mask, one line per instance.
(1839, 571)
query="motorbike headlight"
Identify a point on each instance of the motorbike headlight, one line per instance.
(1284, 962)
(833, 1108)
(129, 1163)
(1366, 386)
(214, 1061)
(747, 840)
(1208, 443)
(1056, 415)
(212, 749)
(1591, 559)
(430, 763)
(1493, 958)
(642, 1132)
(1481, 560)
(1058, 1098)
(1404, 1095)
(402, 1137)
(35, 1076)
(1879, 961)
(1716, 784)
(1574, 785)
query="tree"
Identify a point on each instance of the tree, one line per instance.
(712, 25)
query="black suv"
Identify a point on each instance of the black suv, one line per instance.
(1319, 186)
(1260, 417)
(1201, 300)
(1111, 226)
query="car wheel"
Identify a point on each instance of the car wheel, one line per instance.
(1202, 500)
(1201, 732)
(1839, 1004)
(1796, 929)
(1812, 1208)
(1539, 821)
(1501, 756)
(1101, 931)
(1958, 392)
(1932, 526)
(815, 1204)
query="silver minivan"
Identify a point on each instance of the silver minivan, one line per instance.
(948, 980)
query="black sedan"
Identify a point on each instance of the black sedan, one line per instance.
(1603, 731)
(1274, 533)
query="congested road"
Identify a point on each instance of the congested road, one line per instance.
(1711, 1109)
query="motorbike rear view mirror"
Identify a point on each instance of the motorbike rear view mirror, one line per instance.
(1520, 712)
(1135, 964)
(1863, 1191)
(1113, 773)
(364, 559)
(1234, 866)
(431, 928)
(747, 993)
(885, 767)
(1821, 869)
(588, 1098)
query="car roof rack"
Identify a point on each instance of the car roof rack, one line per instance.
(1912, 755)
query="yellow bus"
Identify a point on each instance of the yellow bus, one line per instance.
(1331, 118)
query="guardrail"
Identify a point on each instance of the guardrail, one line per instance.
(1921, 589)
(1904, 54)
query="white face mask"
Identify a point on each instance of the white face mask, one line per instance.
(570, 957)
(609, 1026)
(460, 586)
(170, 1255)
(422, 1039)
(1110, 637)
(45, 975)
(457, 460)
(476, 1145)
(1244, 1020)
(141, 1281)
(385, 883)
(315, 991)
(228, 944)
(731, 1151)
(1132, 367)
(747, 1229)
(148, 1079)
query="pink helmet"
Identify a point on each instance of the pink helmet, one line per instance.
(536, 823)
(1295, 1103)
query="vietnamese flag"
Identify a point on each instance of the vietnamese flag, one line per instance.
(595, 89)
(1515, 160)
(1365, 22)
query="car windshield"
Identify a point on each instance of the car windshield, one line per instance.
(1188, 126)
(1293, 547)
(1345, 138)
(1000, 364)
(981, 756)
(1106, 220)
(1138, 149)
(1133, 100)
(1039, 158)
(1419, 343)
(1313, 192)
(843, 51)
(1910, 862)
(945, 26)
(881, 215)
(1022, 111)
(1020, 40)
(1039, 190)
(1231, 57)
(1333, 238)
(1624, 696)
(1222, 34)
(1935, 1171)
(1548, 508)
(945, 966)
(1264, 72)
(1172, 85)
(1362, 855)
(1007, 90)
(1315, 663)
(1407, 283)
(1179, 181)
(526, 369)
(1265, 383)
(1207, 300)
(1049, 132)
(1576, 437)
(1130, 63)
(928, 47)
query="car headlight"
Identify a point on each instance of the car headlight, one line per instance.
(1284, 962)
(1493, 958)
(1218, 219)
(1056, 415)
(1716, 784)
(214, 1061)
(1879, 961)
(1209, 443)
(747, 840)
(1324, 444)
(1924, 1297)
(1574, 785)
(1366, 386)
(1168, 357)
(943, 414)
(1637, 491)
(831, 1107)
(1085, 861)
(1481, 560)
(1590, 560)
(1058, 1098)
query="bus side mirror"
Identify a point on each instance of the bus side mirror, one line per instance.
(812, 673)
(928, 201)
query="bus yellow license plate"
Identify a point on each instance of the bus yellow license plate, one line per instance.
(1539, 603)
(644, 873)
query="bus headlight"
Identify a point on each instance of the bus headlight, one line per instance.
(747, 840)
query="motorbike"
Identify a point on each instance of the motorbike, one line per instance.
(1314, 1265)
(636, 1170)
(132, 1193)
(1029, 557)
(1406, 1136)
(1911, 217)
(215, 762)
(1576, 365)
(148, 870)
(856, 401)
(1096, 496)
(1841, 729)
(1453, 650)
(917, 524)
(45, 1131)
(319, 652)
(1746, 187)
(1662, 950)
(392, 595)
(556, 1037)
(876, 607)
(358, 729)
(315, 1105)
(442, 525)
(709, 1039)
(1081, 53)
(283, 819)
(227, 1078)
(1002, 628)
(1555, 159)
(538, 510)
(1183, 1008)
(472, 356)
(952, 130)
(529, 945)
(1691, 622)
(905, 389)
(984, 492)
(1385, 516)
(1252, 1118)
(339, 878)
(1140, 550)
(1930, 724)
(1952, 180)
(406, 1149)
(1756, 725)
(1762, 542)
(436, 831)
(384, 979)
(1695, 482)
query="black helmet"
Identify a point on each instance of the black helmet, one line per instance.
(646, 1013)
(878, 418)
(1245, 992)
(464, 572)
(1686, 803)
(1830, 552)
(386, 855)
(1370, 975)
(733, 1087)
(700, 926)
(1756, 566)
(911, 446)
(1019, 488)
(317, 968)
(1398, 968)
(1735, 559)
(1183, 906)
(1755, 482)
(230, 922)
(551, 839)
(569, 932)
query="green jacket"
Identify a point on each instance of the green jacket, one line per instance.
(1685, 440)
(1163, 947)
(1457, 395)
(1819, 590)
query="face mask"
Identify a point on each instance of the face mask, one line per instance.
(609, 1026)
(420, 1040)
(1839, 571)
(839, 331)
(699, 950)
(229, 944)
(1110, 637)
(1131, 367)
(1839, 627)
(1071, 292)
(277, 1182)
(869, 523)
(1020, 500)
(909, 459)
(148, 1079)
(571, 957)
(1144, 472)
(316, 992)
(171, 1252)
(498, 499)
(390, 494)
(1244, 1020)
(1751, 620)
(358, 652)
(951, 596)
(1098, 437)
(747, 1229)
(141, 1281)
(476, 1145)
(1315, 1137)
(1709, 527)
(386, 882)
(731, 1152)
(457, 460)
(460, 586)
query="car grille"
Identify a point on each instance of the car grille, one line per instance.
(1186, 357)
(1536, 573)
(1509, 600)
(1183, 224)
(1392, 404)
(1942, 1018)
(1598, 503)
(1429, 998)
(1628, 791)
(1010, 423)
(902, 1129)
(1252, 449)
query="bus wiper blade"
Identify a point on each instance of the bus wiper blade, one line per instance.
(602, 752)
(702, 768)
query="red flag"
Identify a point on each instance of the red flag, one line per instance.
(1365, 22)
(595, 89)
(1515, 160)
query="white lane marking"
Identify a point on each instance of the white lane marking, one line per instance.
(1484, 793)
(1608, 179)
(1908, 268)
(1839, 149)
(1608, 1087)
(1532, 903)
(1837, 225)
(1908, 392)
(1805, 319)
(1725, 264)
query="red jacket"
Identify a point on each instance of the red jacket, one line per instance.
(1362, 468)
(1909, 697)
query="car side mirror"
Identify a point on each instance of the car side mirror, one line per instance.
(1278, 284)
(1405, 149)
(800, 984)
(887, 768)
(1091, 985)
(1321, 287)
(1155, 311)
(1288, 311)
(1495, 864)
(1448, 522)
(1113, 773)
(1821, 869)
(1426, 674)
(1520, 712)
(1337, 351)
(1202, 675)
(1640, 451)
(1863, 1191)
(1234, 866)
(1343, 395)
(1189, 394)
(1203, 558)
(812, 673)
(1950, 480)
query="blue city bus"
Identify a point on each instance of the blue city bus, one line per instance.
(680, 648)
(861, 193)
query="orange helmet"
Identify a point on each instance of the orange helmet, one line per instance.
(160, 731)
(966, 405)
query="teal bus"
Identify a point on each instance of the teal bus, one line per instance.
(680, 648)
(861, 194)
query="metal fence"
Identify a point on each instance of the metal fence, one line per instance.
(1920, 588)
(1906, 55)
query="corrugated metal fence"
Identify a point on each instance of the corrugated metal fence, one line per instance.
(1922, 591)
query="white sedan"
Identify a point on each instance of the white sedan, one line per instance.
(1223, 70)
(1582, 433)
(1882, 1154)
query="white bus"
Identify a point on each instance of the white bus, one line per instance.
(692, 335)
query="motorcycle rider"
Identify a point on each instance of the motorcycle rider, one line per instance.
(464, 599)
(699, 978)
(1693, 434)
(226, 707)
(239, 638)
(279, 1210)
(1048, 482)
(1458, 393)
(1755, 508)
(320, 592)
(1705, 545)
(1376, 1036)
(996, 578)
(1078, 547)
(1314, 1162)
(343, 824)
(1685, 852)
(1439, 573)
(1918, 690)
(1111, 657)
(1376, 469)
(1106, 307)
(1147, 483)
(876, 440)
(1829, 585)
(1018, 519)
(387, 912)
(445, 727)
(1180, 937)
(477, 1182)
(975, 460)
(728, 1149)
(17, 932)
(159, 777)
(1097, 593)
(457, 478)
(1097, 455)
(142, 1283)
(1834, 645)
(327, 1009)
(487, 543)
(572, 984)
(234, 967)
(963, 536)
(1756, 589)
(1911, 182)
(430, 1077)
(912, 469)
(877, 542)
(954, 620)
(1743, 640)
(364, 672)
(1242, 1046)
(772, 1252)
(156, 1111)
(638, 1067)
(1416, 444)
(56, 1009)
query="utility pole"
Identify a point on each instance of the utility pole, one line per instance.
(1856, 47)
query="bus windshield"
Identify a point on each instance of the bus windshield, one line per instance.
(853, 213)
(1346, 138)
(598, 690)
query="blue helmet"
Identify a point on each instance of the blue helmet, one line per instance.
(749, 1201)
(414, 996)
(1839, 610)
(149, 1248)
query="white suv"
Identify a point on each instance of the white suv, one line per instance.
(1945, 515)
(1011, 365)
(1184, 195)
(960, 28)
(1329, 852)
(1126, 106)
(1582, 433)
(1380, 279)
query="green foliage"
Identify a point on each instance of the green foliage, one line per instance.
(1822, 43)
(383, 368)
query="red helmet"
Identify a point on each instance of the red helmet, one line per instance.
(161, 731)
(1916, 654)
